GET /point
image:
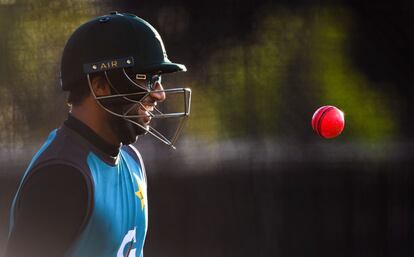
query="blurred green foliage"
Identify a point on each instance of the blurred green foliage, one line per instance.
(268, 84)
(33, 36)
(295, 61)
(366, 110)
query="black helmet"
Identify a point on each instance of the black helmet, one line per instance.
(130, 55)
(114, 41)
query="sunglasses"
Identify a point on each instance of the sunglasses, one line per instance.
(147, 81)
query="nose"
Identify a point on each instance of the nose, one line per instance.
(158, 95)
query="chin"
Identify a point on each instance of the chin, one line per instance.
(128, 132)
(146, 128)
(142, 130)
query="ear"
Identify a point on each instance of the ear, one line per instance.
(100, 86)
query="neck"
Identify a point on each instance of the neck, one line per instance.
(96, 119)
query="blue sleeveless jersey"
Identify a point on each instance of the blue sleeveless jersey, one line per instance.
(118, 218)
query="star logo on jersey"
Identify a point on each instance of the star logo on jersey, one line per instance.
(140, 196)
(140, 192)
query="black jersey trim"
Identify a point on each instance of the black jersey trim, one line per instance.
(93, 148)
(86, 132)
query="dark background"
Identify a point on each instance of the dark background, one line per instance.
(249, 177)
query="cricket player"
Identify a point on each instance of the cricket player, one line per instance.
(84, 194)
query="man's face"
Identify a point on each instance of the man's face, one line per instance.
(133, 102)
(149, 102)
(143, 104)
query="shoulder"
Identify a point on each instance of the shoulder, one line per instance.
(58, 156)
(56, 178)
(63, 172)
(54, 185)
(59, 185)
(61, 148)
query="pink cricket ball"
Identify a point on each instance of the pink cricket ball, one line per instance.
(328, 121)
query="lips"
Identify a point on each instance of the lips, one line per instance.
(144, 110)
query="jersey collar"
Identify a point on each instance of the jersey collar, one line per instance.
(86, 132)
